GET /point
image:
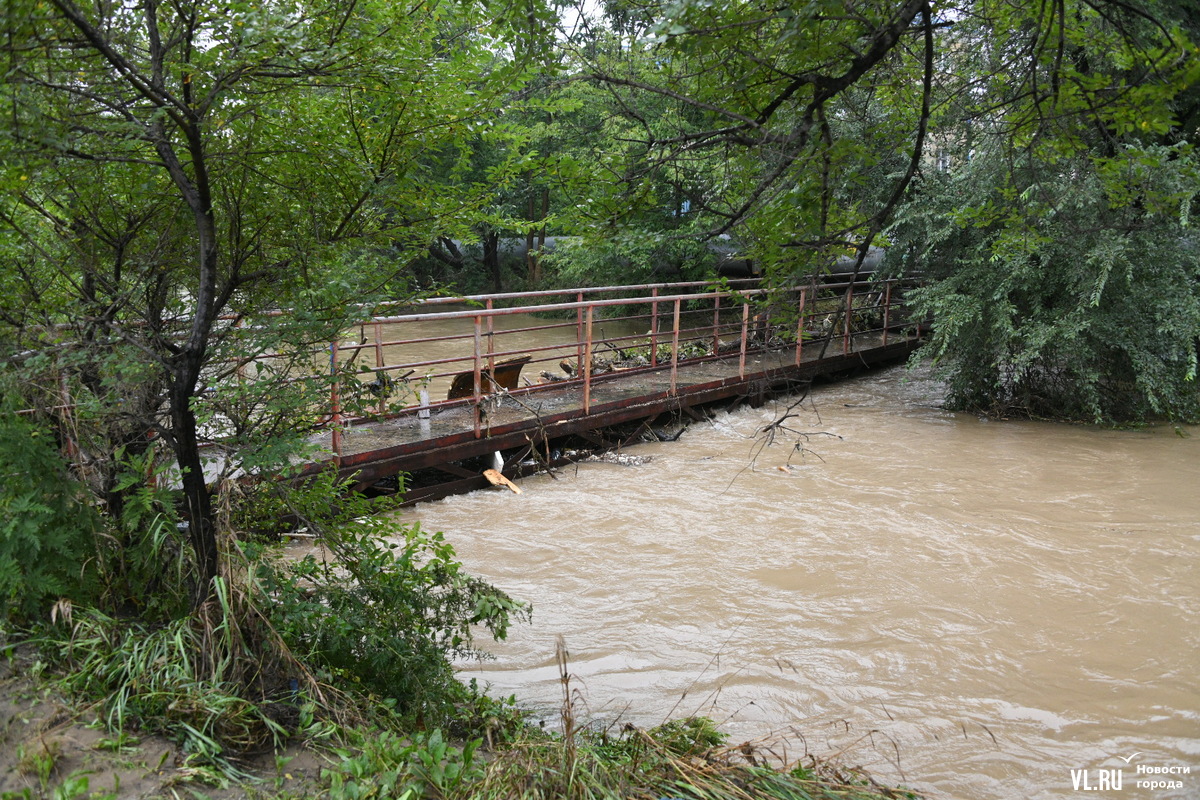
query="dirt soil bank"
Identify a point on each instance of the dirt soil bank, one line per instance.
(48, 750)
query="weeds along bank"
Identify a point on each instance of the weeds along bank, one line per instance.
(341, 660)
(682, 758)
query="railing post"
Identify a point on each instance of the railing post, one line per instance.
(887, 310)
(716, 345)
(579, 331)
(675, 348)
(745, 334)
(475, 366)
(800, 328)
(335, 407)
(380, 375)
(846, 326)
(491, 347)
(654, 328)
(587, 366)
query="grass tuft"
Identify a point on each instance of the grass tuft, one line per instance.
(678, 760)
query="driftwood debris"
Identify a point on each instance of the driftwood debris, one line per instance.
(622, 459)
(496, 478)
(505, 376)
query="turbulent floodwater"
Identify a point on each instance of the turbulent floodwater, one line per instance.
(978, 609)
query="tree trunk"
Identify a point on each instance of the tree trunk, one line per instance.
(491, 259)
(177, 122)
(202, 525)
(185, 371)
(185, 378)
(535, 241)
(197, 502)
(446, 251)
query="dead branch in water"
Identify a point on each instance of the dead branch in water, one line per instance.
(783, 426)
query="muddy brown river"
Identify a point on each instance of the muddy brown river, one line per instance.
(981, 610)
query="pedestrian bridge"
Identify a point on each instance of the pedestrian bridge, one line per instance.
(457, 385)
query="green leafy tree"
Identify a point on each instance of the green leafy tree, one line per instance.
(175, 170)
(747, 113)
(1064, 279)
(1058, 245)
(529, 161)
(630, 220)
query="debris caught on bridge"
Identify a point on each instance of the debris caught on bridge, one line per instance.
(622, 459)
(495, 478)
(505, 375)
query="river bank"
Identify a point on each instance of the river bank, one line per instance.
(54, 749)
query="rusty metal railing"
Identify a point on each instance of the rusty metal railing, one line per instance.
(590, 334)
(706, 323)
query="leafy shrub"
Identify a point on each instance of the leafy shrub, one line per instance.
(392, 766)
(1053, 293)
(46, 525)
(387, 614)
(201, 679)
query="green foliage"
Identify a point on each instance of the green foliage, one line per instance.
(47, 549)
(682, 758)
(636, 256)
(263, 157)
(391, 766)
(192, 679)
(1063, 276)
(320, 503)
(387, 613)
(689, 736)
(77, 786)
(679, 738)
(42, 763)
(787, 127)
(146, 566)
(1057, 175)
(383, 621)
(379, 770)
(1053, 309)
(39, 759)
(441, 767)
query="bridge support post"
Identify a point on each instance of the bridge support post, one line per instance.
(587, 366)
(675, 349)
(478, 395)
(800, 328)
(849, 310)
(335, 403)
(745, 335)
(654, 328)
(380, 375)
(579, 331)
(887, 310)
(716, 341)
(491, 340)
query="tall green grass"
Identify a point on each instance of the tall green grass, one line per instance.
(680, 759)
(199, 679)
